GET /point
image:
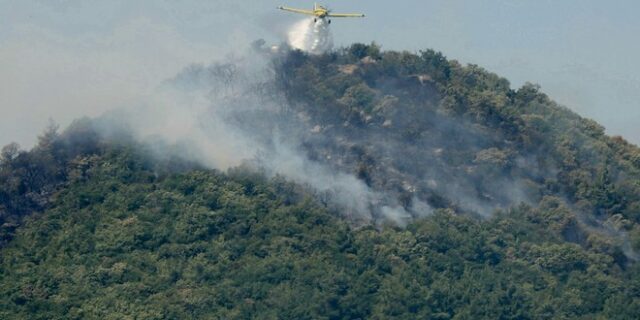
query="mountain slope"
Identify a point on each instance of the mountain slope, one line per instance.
(457, 136)
(122, 242)
(512, 206)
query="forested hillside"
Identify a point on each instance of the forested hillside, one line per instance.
(457, 136)
(517, 208)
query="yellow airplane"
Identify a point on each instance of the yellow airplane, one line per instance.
(321, 12)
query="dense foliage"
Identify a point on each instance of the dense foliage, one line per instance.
(29, 178)
(99, 227)
(123, 242)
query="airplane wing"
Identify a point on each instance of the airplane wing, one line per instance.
(308, 12)
(346, 15)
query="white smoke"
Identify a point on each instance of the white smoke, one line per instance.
(311, 36)
(340, 191)
(217, 116)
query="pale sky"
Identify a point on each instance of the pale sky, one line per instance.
(63, 59)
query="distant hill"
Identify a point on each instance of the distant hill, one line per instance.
(515, 207)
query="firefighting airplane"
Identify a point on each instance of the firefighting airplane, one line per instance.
(321, 12)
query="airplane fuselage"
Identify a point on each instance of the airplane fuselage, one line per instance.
(320, 12)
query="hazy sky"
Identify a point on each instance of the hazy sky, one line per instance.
(62, 59)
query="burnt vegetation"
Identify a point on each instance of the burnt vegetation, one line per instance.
(458, 135)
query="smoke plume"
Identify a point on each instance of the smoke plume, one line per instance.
(229, 114)
(311, 36)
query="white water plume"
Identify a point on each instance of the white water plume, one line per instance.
(311, 36)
